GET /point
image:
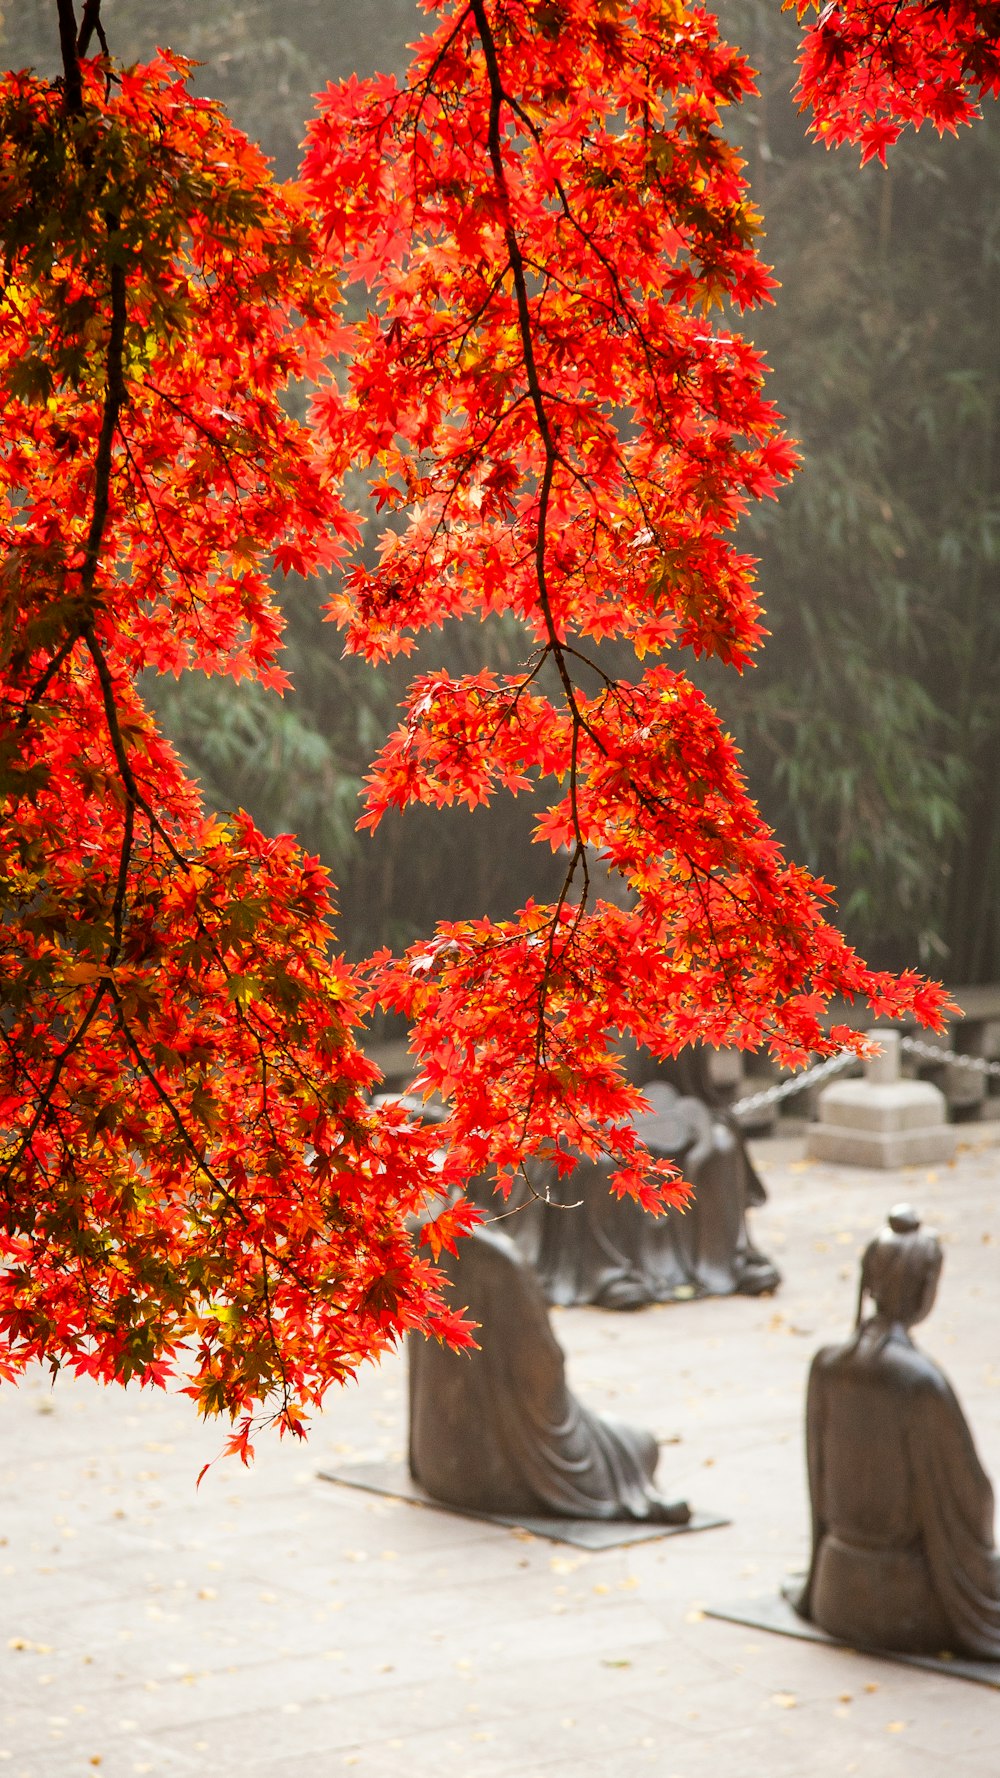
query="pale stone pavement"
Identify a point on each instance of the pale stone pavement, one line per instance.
(271, 1625)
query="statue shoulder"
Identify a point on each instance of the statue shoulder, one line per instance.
(915, 1372)
(675, 1122)
(892, 1362)
(830, 1359)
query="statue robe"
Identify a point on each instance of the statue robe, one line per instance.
(497, 1430)
(903, 1555)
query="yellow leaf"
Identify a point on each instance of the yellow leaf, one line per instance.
(76, 974)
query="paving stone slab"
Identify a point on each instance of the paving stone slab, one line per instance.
(268, 1625)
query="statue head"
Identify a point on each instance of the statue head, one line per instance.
(901, 1268)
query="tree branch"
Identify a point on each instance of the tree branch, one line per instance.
(72, 84)
(115, 394)
(90, 26)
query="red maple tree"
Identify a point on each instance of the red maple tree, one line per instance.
(192, 1175)
(194, 1181)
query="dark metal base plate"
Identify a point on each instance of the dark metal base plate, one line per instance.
(394, 1480)
(776, 1614)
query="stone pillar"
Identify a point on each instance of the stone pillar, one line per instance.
(965, 1088)
(882, 1120)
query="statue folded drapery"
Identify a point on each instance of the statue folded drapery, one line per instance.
(903, 1555)
(498, 1431)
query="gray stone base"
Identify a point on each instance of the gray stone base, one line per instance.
(394, 1480)
(773, 1612)
(882, 1148)
(884, 1106)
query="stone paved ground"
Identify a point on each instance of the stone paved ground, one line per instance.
(274, 1626)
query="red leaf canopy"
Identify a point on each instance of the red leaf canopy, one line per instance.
(870, 68)
(564, 427)
(191, 1175)
(547, 216)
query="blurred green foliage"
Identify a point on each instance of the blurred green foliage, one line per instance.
(870, 728)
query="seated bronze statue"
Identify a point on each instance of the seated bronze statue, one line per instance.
(612, 1253)
(498, 1431)
(902, 1510)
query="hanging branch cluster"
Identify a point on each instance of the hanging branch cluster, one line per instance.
(176, 1037)
(871, 68)
(547, 216)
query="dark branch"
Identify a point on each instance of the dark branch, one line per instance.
(90, 26)
(114, 401)
(44, 1104)
(72, 84)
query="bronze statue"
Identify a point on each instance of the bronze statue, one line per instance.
(902, 1510)
(614, 1254)
(498, 1431)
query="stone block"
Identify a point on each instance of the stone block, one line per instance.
(903, 1105)
(726, 1069)
(882, 1148)
(882, 1120)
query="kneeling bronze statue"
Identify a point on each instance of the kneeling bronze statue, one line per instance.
(902, 1511)
(498, 1430)
(610, 1252)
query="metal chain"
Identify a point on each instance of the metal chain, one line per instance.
(785, 1088)
(929, 1052)
(914, 1046)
